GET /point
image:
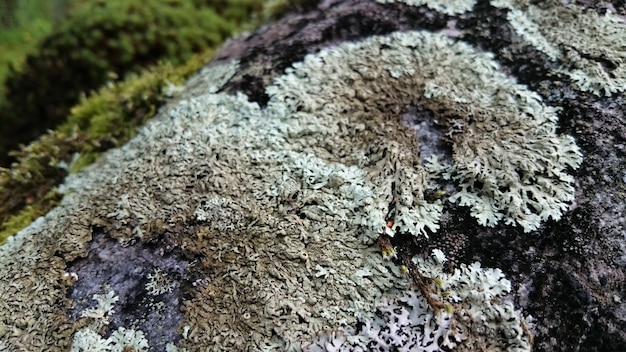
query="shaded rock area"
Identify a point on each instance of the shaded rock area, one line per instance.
(214, 230)
(129, 268)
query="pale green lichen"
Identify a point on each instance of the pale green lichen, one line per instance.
(310, 182)
(590, 47)
(88, 340)
(159, 283)
(508, 160)
(104, 309)
(122, 340)
(531, 32)
(449, 7)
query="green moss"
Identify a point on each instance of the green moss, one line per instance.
(21, 32)
(83, 160)
(28, 214)
(104, 40)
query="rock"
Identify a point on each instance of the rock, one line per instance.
(480, 144)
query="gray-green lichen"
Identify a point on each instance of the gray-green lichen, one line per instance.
(408, 322)
(590, 47)
(87, 340)
(508, 161)
(284, 202)
(449, 7)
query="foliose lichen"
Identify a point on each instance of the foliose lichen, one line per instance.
(314, 178)
(590, 47)
(508, 161)
(159, 283)
(104, 309)
(122, 340)
(451, 7)
(478, 318)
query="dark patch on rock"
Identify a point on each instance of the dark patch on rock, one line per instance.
(127, 270)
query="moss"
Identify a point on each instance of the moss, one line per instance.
(83, 160)
(274, 9)
(23, 25)
(28, 214)
(117, 109)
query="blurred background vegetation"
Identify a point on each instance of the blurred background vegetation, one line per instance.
(23, 23)
(52, 52)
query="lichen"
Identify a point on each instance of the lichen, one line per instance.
(159, 283)
(306, 184)
(104, 309)
(122, 340)
(590, 47)
(508, 161)
(449, 7)
(88, 339)
(478, 317)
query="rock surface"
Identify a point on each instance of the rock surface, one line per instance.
(245, 216)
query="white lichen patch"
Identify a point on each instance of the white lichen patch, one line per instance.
(219, 213)
(449, 7)
(88, 340)
(104, 308)
(476, 315)
(122, 340)
(590, 47)
(159, 283)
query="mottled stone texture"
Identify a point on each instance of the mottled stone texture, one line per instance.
(127, 222)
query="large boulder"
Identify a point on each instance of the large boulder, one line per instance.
(408, 175)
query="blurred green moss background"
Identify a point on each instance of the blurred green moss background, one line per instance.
(23, 23)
